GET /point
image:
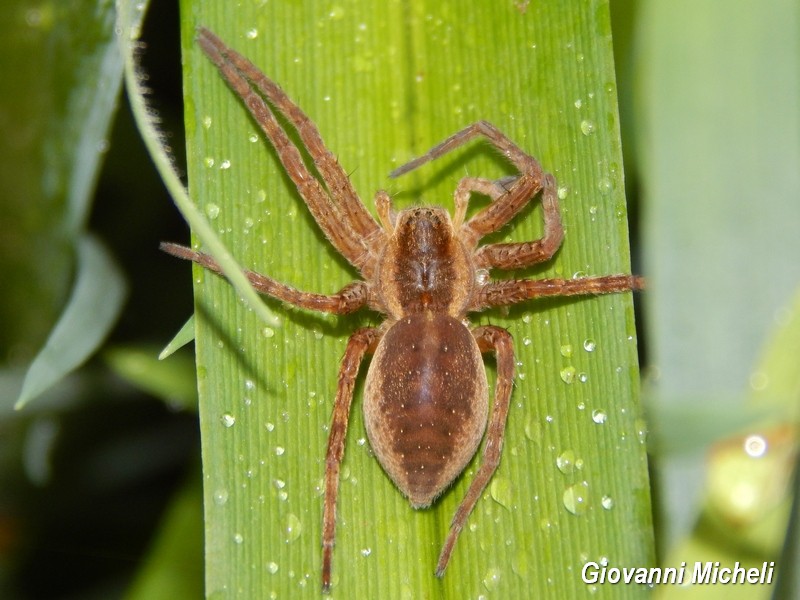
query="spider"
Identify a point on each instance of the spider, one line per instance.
(426, 405)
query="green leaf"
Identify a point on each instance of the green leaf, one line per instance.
(173, 381)
(183, 337)
(718, 124)
(383, 84)
(173, 566)
(129, 21)
(93, 308)
(57, 108)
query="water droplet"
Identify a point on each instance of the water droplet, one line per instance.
(220, 497)
(252, 34)
(500, 490)
(269, 426)
(583, 377)
(566, 461)
(238, 538)
(253, 137)
(228, 420)
(566, 350)
(207, 122)
(607, 502)
(605, 186)
(599, 416)
(492, 578)
(279, 483)
(336, 13)
(589, 345)
(563, 192)
(272, 567)
(641, 430)
(587, 127)
(526, 317)
(366, 552)
(225, 164)
(268, 332)
(755, 446)
(292, 528)
(578, 103)
(576, 498)
(279, 450)
(568, 374)
(212, 210)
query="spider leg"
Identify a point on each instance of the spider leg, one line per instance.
(512, 291)
(519, 193)
(359, 344)
(497, 339)
(494, 189)
(339, 212)
(523, 254)
(348, 299)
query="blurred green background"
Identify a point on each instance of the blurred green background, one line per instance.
(709, 100)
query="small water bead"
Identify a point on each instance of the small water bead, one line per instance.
(605, 186)
(568, 374)
(492, 578)
(252, 34)
(220, 497)
(576, 498)
(238, 538)
(755, 446)
(599, 416)
(292, 527)
(589, 345)
(587, 127)
(272, 567)
(225, 164)
(566, 461)
(500, 490)
(212, 210)
(228, 420)
(566, 350)
(641, 430)
(607, 502)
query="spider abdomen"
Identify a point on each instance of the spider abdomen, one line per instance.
(425, 403)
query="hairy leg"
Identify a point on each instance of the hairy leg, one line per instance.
(497, 340)
(359, 344)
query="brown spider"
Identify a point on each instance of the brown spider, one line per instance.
(426, 394)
